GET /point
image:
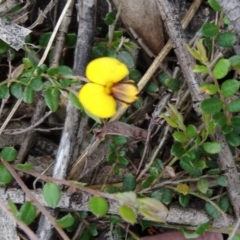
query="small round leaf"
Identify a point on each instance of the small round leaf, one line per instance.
(27, 213)
(5, 175)
(9, 154)
(211, 105)
(51, 194)
(16, 90)
(98, 206)
(221, 68)
(230, 87)
(212, 147)
(65, 221)
(234, 106)
(127, 214)
(226, 39)
(209, 30)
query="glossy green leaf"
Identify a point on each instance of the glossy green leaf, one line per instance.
(110, 18)
(208, 88)
(211, 105)
(220, 118)
(9, 154)
(222, 181)
(28, 94)
(65, 221)
(177, 150)
(200, 69)
(74, 101)
(119, 140)
(191, 131)
(37, 84)
(233, 139)
(25, 166)
(129, 183)
(127, 214)
(5, 175)
(212, 147)
(234, 106)
(215, 5)
(226, 39)
(4, 91)
(51, 97)
(183, 199)
(202, 185)
(180, 137)
(16, 90)
(224, 203)
(44, 39)
(98, 206)
(70, 40)
(209, 30)
(221, 68)
(51, 194)
(27, 213)
(126, 58)
(211, 210)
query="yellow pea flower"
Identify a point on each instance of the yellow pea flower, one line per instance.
(99, 96)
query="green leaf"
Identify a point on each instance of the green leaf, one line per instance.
(65, 70)
(53, 71)
(9, 154)
(16, 90)
(44, 39)
(172, 83)
(25, 166)
(5, 175)
(110, 18)
(226, 129)
(209, 30)
(220, 118)
(221, 68)
(99, 51)
(13, 207)
(37, 84)
(202, 185)
(123, 161)
(191, 131)
(234, 106)
(51, 97)
(28, 94)
(98, 206)
(126, 58)
(158, 164)
(114, 219)
(135, 75)
(111, 158)
(129, 183)
(203, 227)
(127, 214)
(211, 105)
(211, 210)
(177, 150)
(215, 5)
(74, 101)
(208, 88)
(147, 182)
(165, 195)
(189, 235)
(154, 172)
(51, 194)
(4, 91)
(65, 221)
(233, 139)
(222, 181)
(92, 229)
(119, 140)
(236, 124)
(70, 40)
(27, 213)
(235, 61)
(226, 39)
(224, 203)
(3, 47)
(180, 137)
(212, 147)
(200, 69)
(183, 199)
(151, 87)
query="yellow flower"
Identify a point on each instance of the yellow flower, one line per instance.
(99, 96)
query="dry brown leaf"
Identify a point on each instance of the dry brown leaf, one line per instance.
(144, 18)
(121, 128)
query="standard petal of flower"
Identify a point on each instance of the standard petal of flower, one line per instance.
(95, 100)
(125, 92)
(106, 70)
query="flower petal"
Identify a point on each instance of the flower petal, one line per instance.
(94, 98)
(106, 70)
(125, 92)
